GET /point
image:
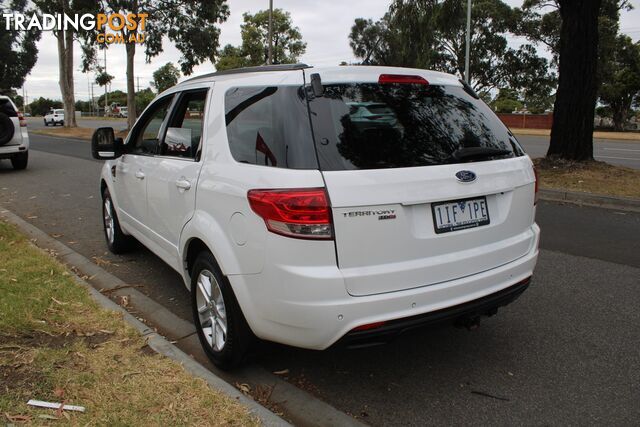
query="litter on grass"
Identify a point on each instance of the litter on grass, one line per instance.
(51, 405)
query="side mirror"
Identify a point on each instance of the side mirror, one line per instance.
(104, 144)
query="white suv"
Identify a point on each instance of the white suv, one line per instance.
(14, 138)
(55, 117)
(292, 221)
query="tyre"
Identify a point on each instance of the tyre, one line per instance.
(62, 123)
(19, 161)
(117, 241)
(45, 123)
(7, 129)
(222, 329)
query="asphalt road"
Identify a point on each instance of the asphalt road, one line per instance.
(617, 152)
(623, 153)
(567, 352)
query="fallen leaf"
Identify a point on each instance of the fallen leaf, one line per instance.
(59, 392)
(17, 418)
(48, 417)
(245, 388)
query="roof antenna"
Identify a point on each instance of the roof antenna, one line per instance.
(316, 85)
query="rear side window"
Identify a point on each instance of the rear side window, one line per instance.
(269, 126)
(6, 106)
(377, 126)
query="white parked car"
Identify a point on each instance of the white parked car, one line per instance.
(291, 221)
(14, 138)
(55, 117)
(123, 112)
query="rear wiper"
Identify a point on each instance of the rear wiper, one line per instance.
(473, 153)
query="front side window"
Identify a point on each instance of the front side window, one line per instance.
(269, 126)
(146, 134)
(377, 126)
(183, 137)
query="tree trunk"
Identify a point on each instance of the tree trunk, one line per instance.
(574, 109)
(131, 90)
(65, 79)
(620, 110)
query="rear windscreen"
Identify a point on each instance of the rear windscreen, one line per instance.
(376, 126)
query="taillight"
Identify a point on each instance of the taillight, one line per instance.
(402, 79)
(300, 213)
(535, 197)
(22, 120)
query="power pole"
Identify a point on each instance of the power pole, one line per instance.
(468, 43)
(138, 79)
(270, 59)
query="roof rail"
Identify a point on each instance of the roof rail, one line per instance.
(258, 69)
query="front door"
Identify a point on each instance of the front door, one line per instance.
(133, 167)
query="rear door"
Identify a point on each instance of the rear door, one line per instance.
(434, 190)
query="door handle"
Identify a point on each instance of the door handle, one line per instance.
(183, 184)
(140, 175)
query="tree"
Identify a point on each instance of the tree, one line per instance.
(18, 50)
(431, 34)
(506, 101)
(165, 77)
(572, 130)
(102, 77)
(41, 106)
(190, 24)
(65, 41)
(287, 42)
(144, 98)
(621, 86)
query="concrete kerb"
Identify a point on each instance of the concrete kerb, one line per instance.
(154, 340)
(589, 199)
(300, 406)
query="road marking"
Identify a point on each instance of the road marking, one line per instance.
(620, 149)
(618, 158)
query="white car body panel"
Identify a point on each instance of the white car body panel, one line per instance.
(20, 140)
(311, 293)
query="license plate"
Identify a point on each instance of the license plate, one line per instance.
(460, 214)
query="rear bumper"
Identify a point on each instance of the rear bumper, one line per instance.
(309, 307)
(8, 150)
(462, 315)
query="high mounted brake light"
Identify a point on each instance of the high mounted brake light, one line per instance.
(402, 79)
(300, 213)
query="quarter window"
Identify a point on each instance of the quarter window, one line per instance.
(269, 126)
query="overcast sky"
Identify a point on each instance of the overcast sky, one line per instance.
(325, 26)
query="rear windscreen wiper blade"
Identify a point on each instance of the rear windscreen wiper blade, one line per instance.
(471, 153)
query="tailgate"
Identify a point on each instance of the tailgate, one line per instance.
(385, 231)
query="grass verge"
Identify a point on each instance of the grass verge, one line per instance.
(588, 177)
(622, 136)
(58, 345)
(77, 132)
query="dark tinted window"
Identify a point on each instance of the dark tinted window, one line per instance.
(269, 126)
(374, 126)
(7, 107)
